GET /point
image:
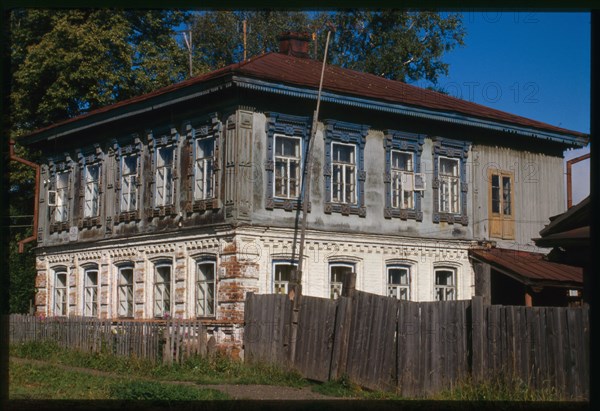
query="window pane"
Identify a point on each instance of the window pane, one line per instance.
(125, 292)
(91, 191)
(129, 165)
(506, 209)
(62, 187)
(449, 188)
(449, 167)
(205, 289)
(287, 167)
(203, 187)
(443, 277)
(495, 193)
(282, 278)
(337, 273)
(445, 285)
(402, 161)
(60, 294)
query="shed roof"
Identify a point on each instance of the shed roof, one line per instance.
(528, 267)
(305, 73)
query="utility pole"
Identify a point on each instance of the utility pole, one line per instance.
(244, 31)
(296, 286)
(189, 46)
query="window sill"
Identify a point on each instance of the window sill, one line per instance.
(90, 222)
(345, 209)
(126, 217)
(403, 213)
(285, 204)
(59, 227)
(162, 211)
(208, 204)
(451, 218)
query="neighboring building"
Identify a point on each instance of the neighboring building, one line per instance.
(515, 277)
(181, 201)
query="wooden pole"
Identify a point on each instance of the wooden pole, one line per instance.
(244, 30)
(296, 287)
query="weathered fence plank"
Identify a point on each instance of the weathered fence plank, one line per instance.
(122, 338)
(314, 344)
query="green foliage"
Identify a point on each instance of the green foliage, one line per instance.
(218, 37)
(151, 390)
(39, 382)
(501, 388)
(218, 370)
(345, 388)
(399, 45)
(21, 275)
(396, 44)
(67, 62)
(36, 350)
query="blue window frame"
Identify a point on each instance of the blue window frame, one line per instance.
(287, 138)
(450, 185)
(402, 166)
(344, 170)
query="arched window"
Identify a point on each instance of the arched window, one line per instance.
(337, 271)
(162, 288)
(206, 288)
(398, 281)
(60, 291)
(90, 291)
(125, 291)
(445, 283)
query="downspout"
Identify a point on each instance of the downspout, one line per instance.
(36, 200)
(569, 177)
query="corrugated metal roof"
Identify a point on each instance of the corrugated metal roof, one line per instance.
(529, 266)
(305, 72)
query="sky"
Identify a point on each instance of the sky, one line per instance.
(532, 64)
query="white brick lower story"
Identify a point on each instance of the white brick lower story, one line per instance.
(244, 260)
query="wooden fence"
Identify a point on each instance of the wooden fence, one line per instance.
(168, 341)
(418, 349)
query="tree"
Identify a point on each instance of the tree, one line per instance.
(400, 45)
(219, 39)
(65, 63)
(68, 62)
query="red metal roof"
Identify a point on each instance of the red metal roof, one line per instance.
(528, 265)
(305, 72)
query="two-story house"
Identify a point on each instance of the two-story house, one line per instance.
(180, 201)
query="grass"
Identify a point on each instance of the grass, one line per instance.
(498, 389)
(218, 370)
(36, 382)
(345, 388)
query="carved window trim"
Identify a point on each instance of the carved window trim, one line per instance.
(86, 158)
(162, 137)
(128, 147)
(410, 143)
(345, 133)
(286, 125)
(444, 147)
(204, 128)
(57, 166)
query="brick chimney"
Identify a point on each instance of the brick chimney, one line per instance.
(294, 44)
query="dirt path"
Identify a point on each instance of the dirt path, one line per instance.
(238, 392)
